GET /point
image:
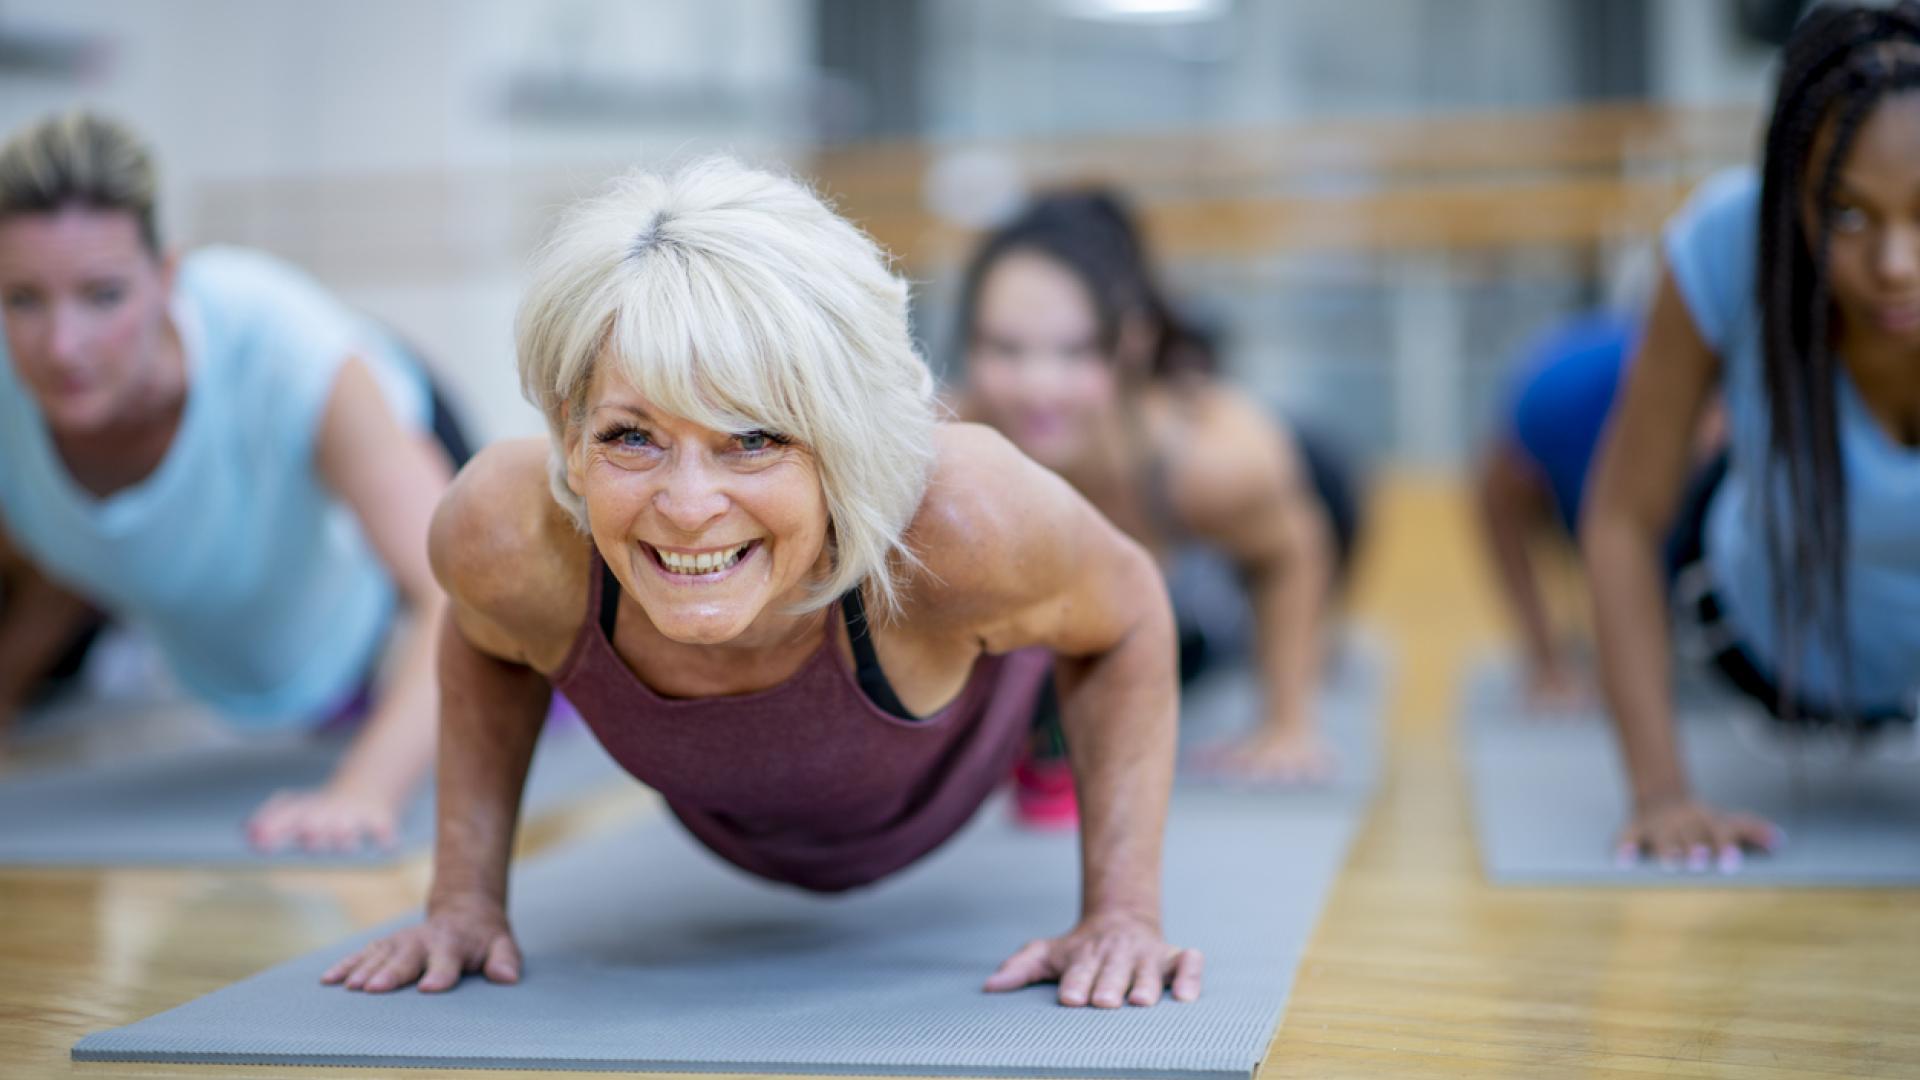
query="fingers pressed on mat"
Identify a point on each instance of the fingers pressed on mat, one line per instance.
(1023, 968)
(1146, 983)
(1076, 984)
(1188, 969)
(1115, 977)
(403, 967)
(503, 960)
(444, 968)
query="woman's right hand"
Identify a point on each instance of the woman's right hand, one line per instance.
(1682, 833)
(458, 937)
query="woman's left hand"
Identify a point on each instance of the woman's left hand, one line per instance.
(1106, 961)
(323, 819)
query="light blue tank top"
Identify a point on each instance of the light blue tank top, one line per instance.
(1712, 250)
(255, 582)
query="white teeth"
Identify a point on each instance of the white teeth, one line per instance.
(703, 563)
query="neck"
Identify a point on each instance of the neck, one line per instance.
(131, 444)
(1887, 375)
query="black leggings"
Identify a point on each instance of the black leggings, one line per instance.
(1686, 562)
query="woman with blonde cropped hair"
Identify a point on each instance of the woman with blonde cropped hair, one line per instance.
(212, 448)
(779, 590)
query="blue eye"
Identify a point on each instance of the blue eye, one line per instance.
(625, 437)
(757, 442)
(105, 296)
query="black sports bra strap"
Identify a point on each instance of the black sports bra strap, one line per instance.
(609, 599)
(866, 662)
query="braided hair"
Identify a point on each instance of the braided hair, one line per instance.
(1091, 233)
(1841, 61)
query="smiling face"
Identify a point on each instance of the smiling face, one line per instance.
(1034, 362)
(84, 302)
(709, 531)
(1874, 252)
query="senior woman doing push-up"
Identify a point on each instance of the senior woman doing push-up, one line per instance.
(780, 592)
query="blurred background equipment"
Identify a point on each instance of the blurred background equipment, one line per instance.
(1375, 201)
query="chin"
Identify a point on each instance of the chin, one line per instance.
(708, 626)
(78, 415)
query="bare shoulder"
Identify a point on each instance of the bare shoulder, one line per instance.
(506, 552)
(988, 511)
(1233, 457)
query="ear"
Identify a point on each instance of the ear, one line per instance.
(576, 459)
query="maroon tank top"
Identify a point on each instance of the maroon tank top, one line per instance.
(808, 782)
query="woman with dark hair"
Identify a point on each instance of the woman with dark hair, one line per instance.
(1074, 352)
(1797, 294)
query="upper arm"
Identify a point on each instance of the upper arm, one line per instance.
(1019, 558)
(501, 548)
(390, 476)
(1646, 449)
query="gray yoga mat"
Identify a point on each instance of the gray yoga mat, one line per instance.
(1548, 799)
(645, 953)
(187, 807)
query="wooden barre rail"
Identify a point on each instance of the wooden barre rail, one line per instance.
(1442, 147)
(1455, 217)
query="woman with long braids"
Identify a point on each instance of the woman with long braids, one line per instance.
(1797, 293)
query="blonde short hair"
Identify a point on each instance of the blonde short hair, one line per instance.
(736, 299)
(79, 158)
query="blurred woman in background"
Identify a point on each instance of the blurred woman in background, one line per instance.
(1796, 293)
(214, 450)
(1072, 351)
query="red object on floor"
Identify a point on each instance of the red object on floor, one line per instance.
(1043, 795)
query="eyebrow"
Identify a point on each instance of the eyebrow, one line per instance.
(621, 406)
(1846, 190)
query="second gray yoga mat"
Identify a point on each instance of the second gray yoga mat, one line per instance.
(188, 807)
(644, 952)
(1549, 797)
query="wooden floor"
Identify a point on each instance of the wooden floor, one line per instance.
(1418, 969)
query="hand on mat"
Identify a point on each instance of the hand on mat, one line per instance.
(1556, 691)
(324, 819)
(1683, 834)
(454, 940)
(1290, 755)
(1107, 962)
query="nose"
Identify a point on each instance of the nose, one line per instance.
(65, 334)
(692, 495)
(1897, 257)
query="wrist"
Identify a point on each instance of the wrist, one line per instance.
(1659, 798)
(1141, 910)
(467, 901)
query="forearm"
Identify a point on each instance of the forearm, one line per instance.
(1630, 617)
(1290, 597)
(490, 714)
(1505, 525)
(39, 621)
(1120, 711)
(395, 748)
